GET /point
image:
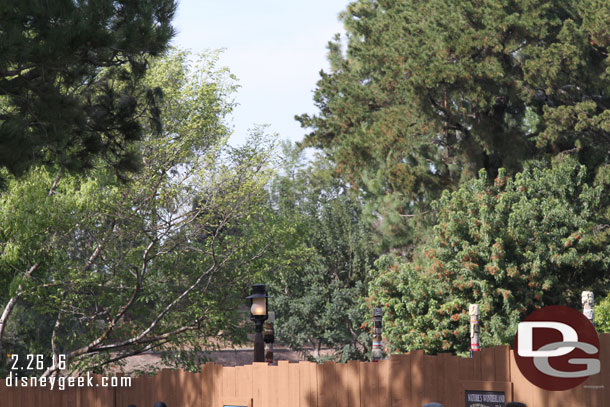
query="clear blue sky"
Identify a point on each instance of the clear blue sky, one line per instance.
(275, 48)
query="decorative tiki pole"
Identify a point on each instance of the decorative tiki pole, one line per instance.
(269, 337)
(377, 352)
(587, 305)
(474, 312)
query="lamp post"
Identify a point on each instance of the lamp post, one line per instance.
(258, 314)
(377, 352)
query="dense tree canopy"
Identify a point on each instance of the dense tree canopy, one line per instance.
(69, 79)
(98, 269)
(514, 245)
(321, 280)
(427, 93)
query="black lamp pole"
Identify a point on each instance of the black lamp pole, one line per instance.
(259, 314)
(259, 344)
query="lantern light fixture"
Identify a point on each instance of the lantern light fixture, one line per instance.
(259, 312)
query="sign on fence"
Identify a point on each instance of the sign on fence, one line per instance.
(478, 398)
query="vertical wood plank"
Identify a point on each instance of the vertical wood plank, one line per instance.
(27, 398)
(228, 381)
(283, 383)
(259, 382)
(466, 368)
(294, 384)
(400, 380)
(502, 363)
(417, 377)
(476, 365)
(341, 389)
(152, 393)
(124, 397)
(383, 386)
(166, 385)
(206, 385)
(604, 340)
(243, 378)
(327, 385)
(145, 395)
(430, 385)
(69, 396)
(305, 391)
(352, 383)
(452, 388)
(522, 388)
(193, 389)
(441, 376)
(313, 371)
(271, 396)
(593, 387)
(488, 370)
(105, 395)
(217, 382)
(368, 383)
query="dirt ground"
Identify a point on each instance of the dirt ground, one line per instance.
(226, 357)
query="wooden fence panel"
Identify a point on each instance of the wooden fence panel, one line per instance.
(405, 380)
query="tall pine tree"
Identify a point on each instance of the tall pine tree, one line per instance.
(427, 93)
(69, 74)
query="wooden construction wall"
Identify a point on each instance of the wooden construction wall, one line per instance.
(405, 380)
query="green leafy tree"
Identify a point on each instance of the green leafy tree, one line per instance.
(319, 284)
(70, 75)
(427, 93)
(98, 269)
(511, 245)
(602, 315)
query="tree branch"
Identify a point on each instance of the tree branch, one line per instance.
(8, 308)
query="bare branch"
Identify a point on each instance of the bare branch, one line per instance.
(8, 308)
(55, 182)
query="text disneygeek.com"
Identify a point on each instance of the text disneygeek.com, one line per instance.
(61, 383)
